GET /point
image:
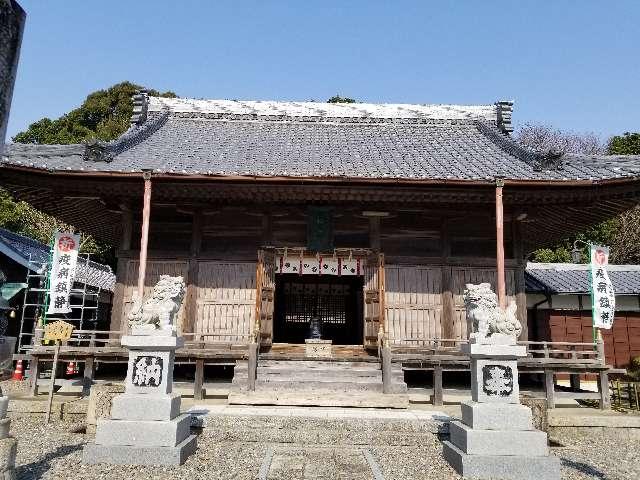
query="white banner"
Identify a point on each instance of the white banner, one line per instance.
(603, 298)
(63, 270)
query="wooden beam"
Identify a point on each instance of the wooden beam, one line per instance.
(374, 233)
(502, 296)
(191, 306)
(144, 235)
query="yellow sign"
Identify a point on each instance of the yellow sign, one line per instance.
(58, 330)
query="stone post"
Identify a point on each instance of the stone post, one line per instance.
(496, 437)
(12, 18)
(8, 444)
(146, 427)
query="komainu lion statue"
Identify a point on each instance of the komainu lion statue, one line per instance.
(485, 317)
(159, 310)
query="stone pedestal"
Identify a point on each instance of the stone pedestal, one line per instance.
(496, 437)
(146, 427)
(315, 347)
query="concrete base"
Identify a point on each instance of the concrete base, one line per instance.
(505, 467)
(496, 416)
(145, 407)
(501, 442)
(143, 433)
(130, 455)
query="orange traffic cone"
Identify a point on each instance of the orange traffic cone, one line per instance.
(71, 370)
(18, 373)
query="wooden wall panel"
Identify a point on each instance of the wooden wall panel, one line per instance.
(155, 268)
(464, 275)
(413, 302)
(621, 343)
(226, 300)
(371, 302)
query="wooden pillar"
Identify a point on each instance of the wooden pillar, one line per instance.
(88, 374)
(144, 235)
(33, 376)
(374, 228)
(520, 283)
(502, 296)
(267, 229)
(198, 380)
(438, 395)
(191, 298)
(448, 307)
(117, 303)
(549, 388)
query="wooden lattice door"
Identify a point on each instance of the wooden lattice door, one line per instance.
(265, 286)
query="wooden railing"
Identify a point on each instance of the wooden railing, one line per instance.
(561, 352)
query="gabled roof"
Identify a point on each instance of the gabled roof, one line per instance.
(571, 278)
(315, 140)
(34, 255)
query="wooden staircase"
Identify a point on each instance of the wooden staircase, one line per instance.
(317, 382)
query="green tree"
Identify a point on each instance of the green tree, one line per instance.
(104, 115)
(338, 99)
(626, 144)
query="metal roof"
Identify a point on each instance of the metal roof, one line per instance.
(570, 278)
(30, 253)
(320, 140)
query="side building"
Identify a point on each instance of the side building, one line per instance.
(559, 305)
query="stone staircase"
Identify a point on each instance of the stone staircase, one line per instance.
(319, 383)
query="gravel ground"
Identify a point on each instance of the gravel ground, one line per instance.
(54, 452)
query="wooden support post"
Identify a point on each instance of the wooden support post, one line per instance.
(252, 366)
(387, 376)
(603, 388)
(199, 379)
(574, 381)
(33, 376)
(144, 235)
(191, 306)
(549, 388)
(437, 399)
(87, 377)
(502, 296)
(53, 380)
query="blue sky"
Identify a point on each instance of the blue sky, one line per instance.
(570, 64)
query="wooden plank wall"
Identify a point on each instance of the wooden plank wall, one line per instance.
(155, 268)
(413, 302)
(463, 275)
(226, 298)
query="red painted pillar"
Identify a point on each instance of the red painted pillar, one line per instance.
(500, 245)
(144, 239)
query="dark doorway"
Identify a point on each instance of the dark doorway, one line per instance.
(337, 301)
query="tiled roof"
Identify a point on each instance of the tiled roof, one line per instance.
(568, 278)
(320, 140)
(34, 255)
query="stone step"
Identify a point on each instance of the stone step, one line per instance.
(318, 364)
(304, 430)
(319, 399)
